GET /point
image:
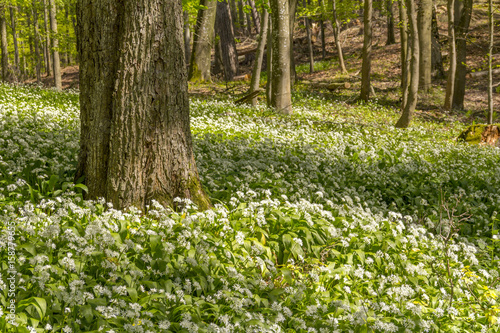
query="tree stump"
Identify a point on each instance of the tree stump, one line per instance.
(482, 134)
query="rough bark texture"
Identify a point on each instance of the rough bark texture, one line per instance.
(224, 29)
(135, 137)
(259, 55)
(280, 92)
(463, 11)
(48, 60)
(336, 35)
(391, 37)
(55, 46)
(307, 22)
(269, 62)
(411, 102)
(292, 9)
(199, 67)
(403, 32)
(437, 58)
(425, 38)
(12, 12)
(367, 50)
(38, 61)
(187, 37)
(3, 46)
(450, 84)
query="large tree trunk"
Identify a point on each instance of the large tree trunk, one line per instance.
(450, 84)
(307, 22)
(425, 38)
(12, 11)
(403, 31)
(234, 14)
(463, 11)
(199, 67)
(336, 36)
(3, 46)
(38, 62)
(224, 28)
(367, 50)
(136, 143)
(281, 89)
(437, 58)
(55, 45)
(490, 60)
(48, 60)
(259, 55)
(391, 37)
(411, 102)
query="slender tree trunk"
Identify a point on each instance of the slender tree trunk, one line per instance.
(411, 103)
(322, 27)
(234, 14)
(187, 37)
(259, 54)
(463, 11)
(403, 32)
(490, 60)
(67, 50)
(23, 57)
(199, 67)
(255, 15)
(336, 36)
(3, 46)
(55, 44)
(30, 42)
(391, 37)
(136, 144)
(437, 58)
(292, 9)
(241, 17)
(269, 62)
(281, 89)
(450, 84)
(307, 23)
(38, 63)
(425, 38)
(12, 11)
(248, 24)
(224, 28)
(48, 61)
(367, 51)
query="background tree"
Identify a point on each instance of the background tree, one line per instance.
(336, 36)
(491, 43)
(12, 11)
(136, 143)
(259, 54)
(391, 36)
(3, 44)
(199, 67)
(425, 39)
(55, 45)
(224, 29)
(367, 50)
(36, 38)
(450, 83)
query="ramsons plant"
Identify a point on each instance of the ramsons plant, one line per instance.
(318, 226)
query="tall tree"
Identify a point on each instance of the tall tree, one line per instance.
(463, 12)
(322, 29)
(367, 50)
(136, 144)
(4, 46)
(413, 80)
(12, 11)
(187, 37)
(307, 22)
(450, 84)
(336, 36)
(281, 98)
(48, 60)
(437, 58)
(403, 32)
(259, 54)
(224, 29)
(490, 60)
(36, 35)
(292, 10)
(425, 38)
(199, 67)
(55, 45)
(391, 37)
(255, 15)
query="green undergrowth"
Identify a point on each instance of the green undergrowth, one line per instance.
(329, 220)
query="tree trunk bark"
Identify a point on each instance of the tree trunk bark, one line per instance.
(38, 63)
(490, 60)
(259, 55)
(136, 143)
(463, 11)
(411, 103)
(48, 60)
(450, 84)
(391, 37)
(30, 42)
(255, 16)
(322, 27)
(67, 50)
(241, 17)
(12, 11)
(234, 14)
(281, 89)
(425, 38)
(269, 62)
(187, 37)
(307, 23)
(405, 64)
(292, 9)
(437, 58)
(336, 35)
(55, 44)
(224, 28)
(4, 46)
(367, 51)
(199, 67)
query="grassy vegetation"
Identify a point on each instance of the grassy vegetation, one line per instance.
(330, 220)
